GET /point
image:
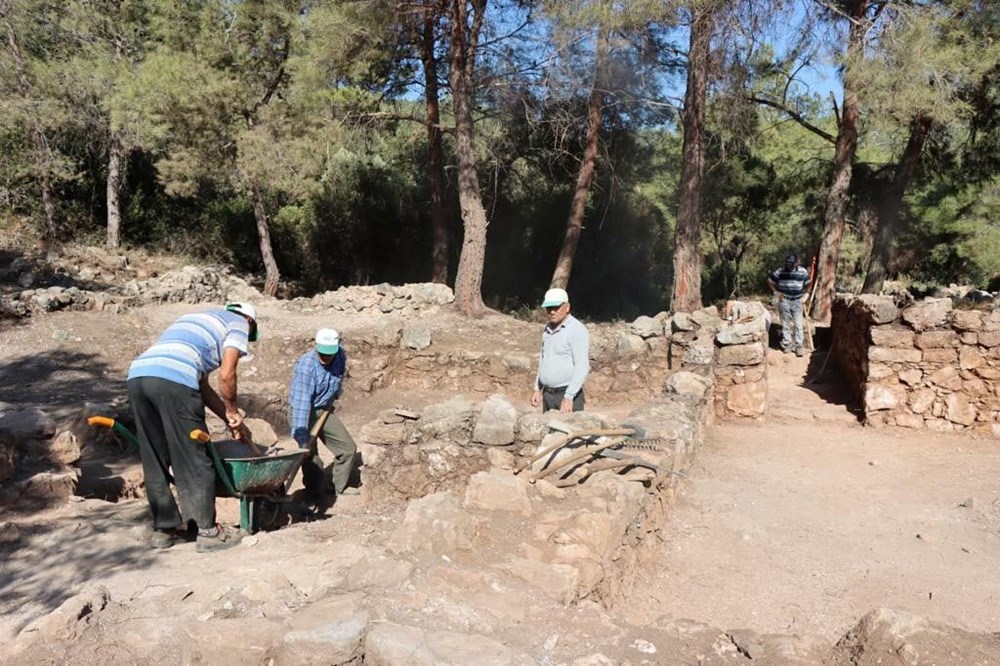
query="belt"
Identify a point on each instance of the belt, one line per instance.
(793, 298)
(554, 389)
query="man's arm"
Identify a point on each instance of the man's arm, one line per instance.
(580, 349)
(300, 400)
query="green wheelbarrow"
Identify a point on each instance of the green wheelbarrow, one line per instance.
(255, 481)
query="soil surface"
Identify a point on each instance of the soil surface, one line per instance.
(797, 524)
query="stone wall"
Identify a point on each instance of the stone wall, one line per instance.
(592, 527)
(731, 353)
(925, 366)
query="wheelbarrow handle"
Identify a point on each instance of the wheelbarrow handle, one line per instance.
(108, 422)
(105, 421)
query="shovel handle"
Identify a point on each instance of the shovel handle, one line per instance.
(105, 421)
(200, 435)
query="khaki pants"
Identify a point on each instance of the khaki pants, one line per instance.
(319, 480)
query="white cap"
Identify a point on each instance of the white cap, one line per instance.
(327, 341)
(554, 298)
(243, 308)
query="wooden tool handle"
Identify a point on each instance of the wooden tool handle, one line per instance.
(101, 421)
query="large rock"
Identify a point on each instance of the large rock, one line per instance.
(71, 618)
(497, 422)
(63, 449)
(687, 383)
(741, 333)
(329, 631)
(749, 399)
(434, 524)
(746, 354)
(878, 309)
(887, 637)
(386, 332)
(879, 397)
(928, 313)
(557, 581)
(31, 423)
(892, 336)
(631, 345)
(646, 327)
(894, 355)
(452, 418)
(960, 409)
(416, 337)
(498, 491)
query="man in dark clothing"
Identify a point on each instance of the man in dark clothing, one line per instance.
(788, 285)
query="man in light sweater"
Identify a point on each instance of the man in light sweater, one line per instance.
(565, 360)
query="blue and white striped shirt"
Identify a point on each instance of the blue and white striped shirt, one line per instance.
(314, 386)
(191, 348)
(791, 283)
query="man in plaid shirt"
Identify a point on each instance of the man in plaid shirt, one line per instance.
(316, 383)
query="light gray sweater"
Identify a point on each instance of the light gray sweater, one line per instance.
(565, 357)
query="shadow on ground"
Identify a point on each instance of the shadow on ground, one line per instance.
(58, 378)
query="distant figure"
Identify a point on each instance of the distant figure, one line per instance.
(788, 285)
(317, 382)
(168, 390)
(565, 361)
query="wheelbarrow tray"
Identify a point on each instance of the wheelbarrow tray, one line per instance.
(266, 475)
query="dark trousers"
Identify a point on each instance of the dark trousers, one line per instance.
(318, 480)
(165, 414)
(552, 399)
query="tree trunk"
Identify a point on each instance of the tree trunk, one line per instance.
(843, 165)
(464, 41)
(574, 223)
(116, 157)
(38, 140)
(892, 202)
(439, 220)
(686, 295)
(272, 276)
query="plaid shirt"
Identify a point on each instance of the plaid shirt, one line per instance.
(314, 386)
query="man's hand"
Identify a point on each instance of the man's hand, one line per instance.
(536, 398)
(566, 405)
(241, 432)
(776, 298)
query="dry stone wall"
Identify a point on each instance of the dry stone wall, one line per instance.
(730, 354)
(925, 366)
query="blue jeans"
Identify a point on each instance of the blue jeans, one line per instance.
(791, 323)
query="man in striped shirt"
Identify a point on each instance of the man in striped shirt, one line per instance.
(168, 390)
(317, 381)
(789, 284)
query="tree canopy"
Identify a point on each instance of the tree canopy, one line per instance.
(637, 153)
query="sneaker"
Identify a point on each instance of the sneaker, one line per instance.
(163, 539)
(219, 538)
(350, 490)
(800, 352)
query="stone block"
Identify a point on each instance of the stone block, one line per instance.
(909, 420)
(741, 333)
(928, 313)
(960, 410)
(383, 434)
(557, 581)
(682, 321)
(880, 396)
(911, 377)
(749, 399)
(988, 373)
(329, 631)
(631, 345)
(699, 353)
(945, 377)
(941, 339)
(894, 355)
(892, 335)
(646, 327)
(31, 423)
(434, 524)
(498, 491)
(921, 400)
(877, 309)
(496, 423)
(989, 339)
(416, 337)
(748, 354)
(940, 356)
(877, 371)
(967, 320)
(969, 358)
(687, 383)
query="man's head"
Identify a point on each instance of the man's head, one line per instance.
(249, 313)
(327, 344)
(791, 261)
(556, 304)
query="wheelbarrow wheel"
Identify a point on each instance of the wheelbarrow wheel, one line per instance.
(272, 515)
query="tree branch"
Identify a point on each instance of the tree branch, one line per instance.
(794, 115)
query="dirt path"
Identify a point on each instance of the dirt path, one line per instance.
(804, 523)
